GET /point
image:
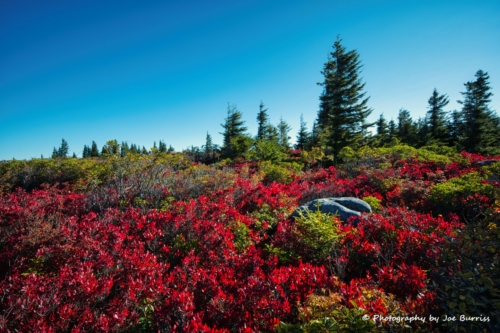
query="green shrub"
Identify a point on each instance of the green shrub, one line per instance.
(276, 173)
(241, 234)
(319, 231)
(373, 202)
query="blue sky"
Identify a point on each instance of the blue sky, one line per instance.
(144, 71)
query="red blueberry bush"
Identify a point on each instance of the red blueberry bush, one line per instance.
(168, 246)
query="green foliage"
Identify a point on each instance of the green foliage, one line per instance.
(373, 202)
(276, 173)
(234, 133)
(266, 151)
(241, 234)
(343, 108)
(317, 230)
(323, 314)
(469, 283)
(448, 194)
(480, 130)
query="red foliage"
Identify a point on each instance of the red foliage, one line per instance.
(65, 267)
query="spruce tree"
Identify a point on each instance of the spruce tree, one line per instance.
(302, 135)
(393, 130)
(208, 148)
(262, 123)
(382, 131)
(94, 152)
(86, 151)
(162, 147)
(124, 149)
(64, 149)
(343, 107)
(480, 123)
(283, 138)
(233, 127)
(407, 130)
(436, 119)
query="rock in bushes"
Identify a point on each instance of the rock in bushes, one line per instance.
(344, 207)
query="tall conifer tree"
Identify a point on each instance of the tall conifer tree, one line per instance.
(436, 118)
(343, 107)
(262, 123)
(481, 125)
(302, 135)
(233, 127)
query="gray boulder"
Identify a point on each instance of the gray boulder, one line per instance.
(486, 162)
(344, 207)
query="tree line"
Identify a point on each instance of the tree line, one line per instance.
(342, 121)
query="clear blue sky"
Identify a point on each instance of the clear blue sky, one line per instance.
(144, 71)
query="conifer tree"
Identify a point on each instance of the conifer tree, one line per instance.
(64, 149)
(124, 149)
(262, 123)
(162, 147)
(283, 138)
(455, 127)
(94, 152)
(407, 130)
(86, 151)
(233, 127)
(343, 107)
(436, 118)
(209, 147)
(393, 131)
(302, 135)
(481, 125)
(382, 130)
(55, 154)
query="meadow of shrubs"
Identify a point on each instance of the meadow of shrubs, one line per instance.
(159, 243)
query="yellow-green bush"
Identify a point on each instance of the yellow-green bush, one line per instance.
(317, 230)
(373, 202)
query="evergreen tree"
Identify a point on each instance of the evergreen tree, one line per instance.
(480, 123)
(314, 138)
(74, 155)
(382, 131)
(422, 130)
(162, 147)
(170, 149)
(64, 149)
(437, 130)
(55, 154)
(283, 138)
(302, 135)
(407, 130)
(209, 147)
(144, 151)
(124, 149)
(262, 123)
(343, 107)
(233, 127)
(393, 131)
(86, 151)
(94, 152)
(455, 129)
